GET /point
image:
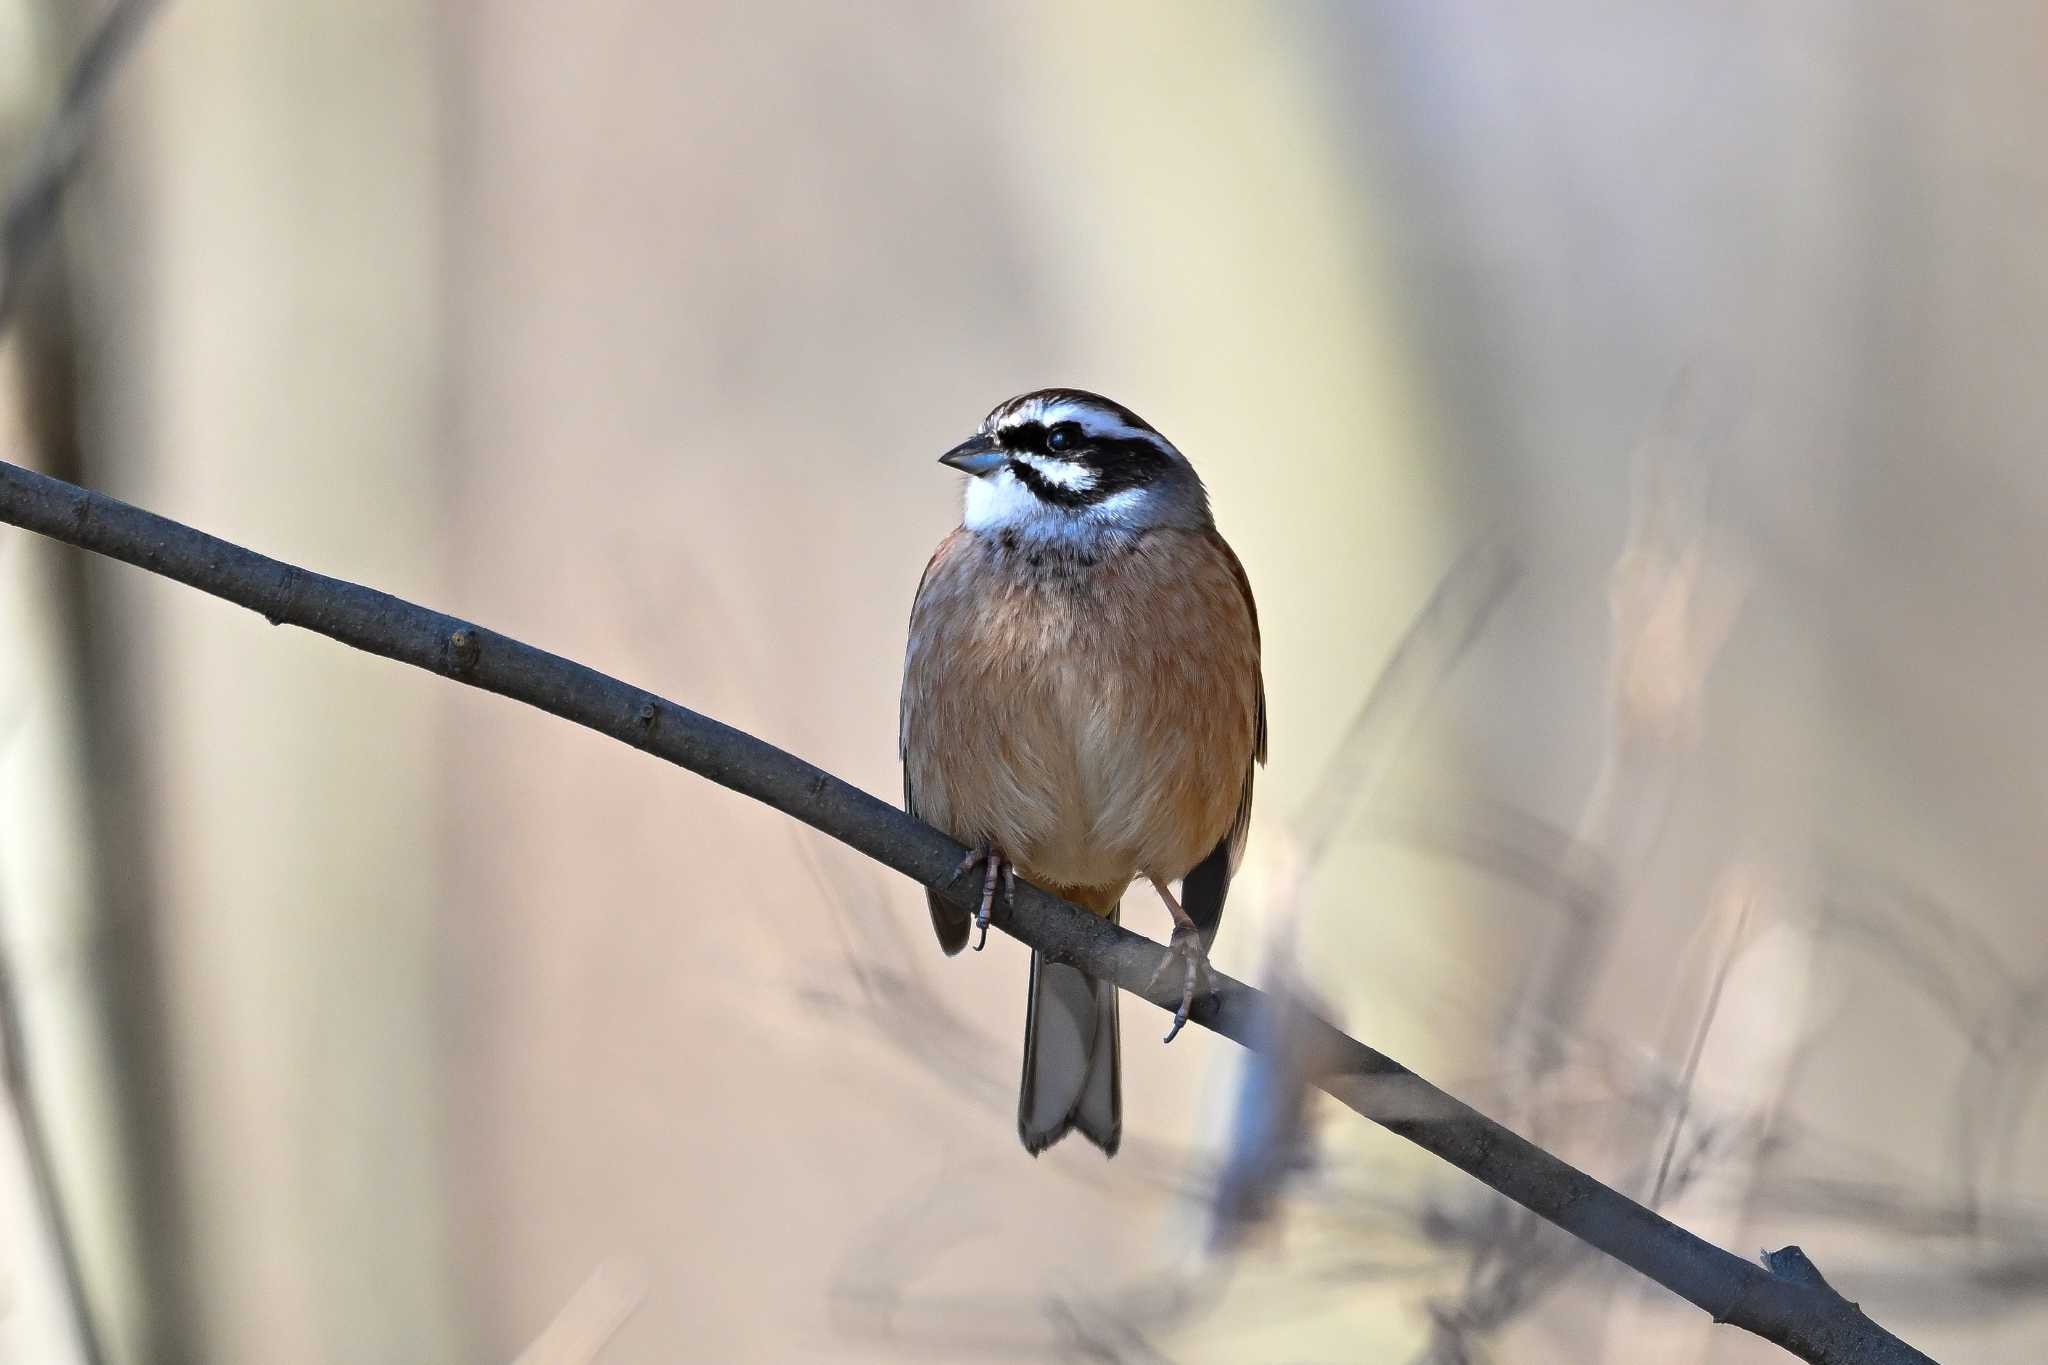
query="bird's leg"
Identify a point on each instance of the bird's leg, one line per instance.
(1186, 944)
(995, 866)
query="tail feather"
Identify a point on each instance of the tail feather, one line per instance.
(1073, 1064)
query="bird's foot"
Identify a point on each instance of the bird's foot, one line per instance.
(1186, 946)
(995, 866)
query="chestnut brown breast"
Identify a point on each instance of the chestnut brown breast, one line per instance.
(1092, 712)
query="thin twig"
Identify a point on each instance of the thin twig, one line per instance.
(1805, 1317)
(1737, 941)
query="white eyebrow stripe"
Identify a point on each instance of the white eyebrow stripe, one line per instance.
(1096, 422)
(1060, 473)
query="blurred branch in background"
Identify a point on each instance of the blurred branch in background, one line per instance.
(62, 1005)
(29, 217)
(1799, 1312)
(1268, 1143)
(41, 1170)
(1671, 609)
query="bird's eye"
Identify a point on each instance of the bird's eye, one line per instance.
(1062, 437)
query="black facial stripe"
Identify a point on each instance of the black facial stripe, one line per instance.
(1123, 462)
(1119, 465)
(1027, 436)
(1045, 490)
(1098, 451)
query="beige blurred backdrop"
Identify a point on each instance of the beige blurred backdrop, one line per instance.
(371, 1019)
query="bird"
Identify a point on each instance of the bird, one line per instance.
(1083, 705)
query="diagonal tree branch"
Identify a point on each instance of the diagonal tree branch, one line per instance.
(1784, 1301)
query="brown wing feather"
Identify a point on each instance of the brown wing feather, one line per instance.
(1251, 606)
(1203, 890)
(948, 922)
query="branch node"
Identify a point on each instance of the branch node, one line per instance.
(284, 598)
(647, 715)
(463, 649)
(1791, 1264)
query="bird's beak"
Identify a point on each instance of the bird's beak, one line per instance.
(977, 457)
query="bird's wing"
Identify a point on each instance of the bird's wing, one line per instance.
(949, 923)
(1203, 890)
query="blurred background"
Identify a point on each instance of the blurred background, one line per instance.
(1629, 415)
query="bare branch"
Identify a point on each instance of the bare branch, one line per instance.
(1796, 1310)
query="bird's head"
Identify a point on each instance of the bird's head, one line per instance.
(1064, 464)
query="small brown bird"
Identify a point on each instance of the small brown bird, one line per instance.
(1082, 704)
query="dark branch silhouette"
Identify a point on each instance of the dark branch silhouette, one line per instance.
(1782, 1301)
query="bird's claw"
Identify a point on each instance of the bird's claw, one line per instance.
(995, 866)
(1186, 945)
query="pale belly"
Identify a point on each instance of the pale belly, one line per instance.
(1094, 727)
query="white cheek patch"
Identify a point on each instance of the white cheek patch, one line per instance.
(998, 502)
(1121, 507)
(997, 499)
(1061, 473)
